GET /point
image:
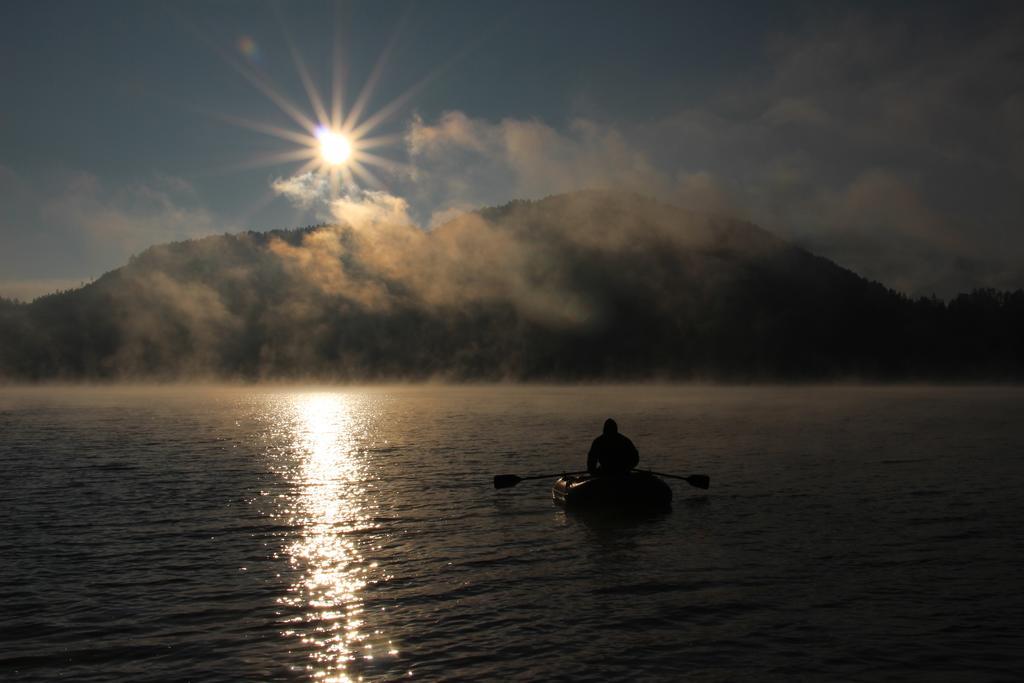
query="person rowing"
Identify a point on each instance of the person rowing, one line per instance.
(612, 453)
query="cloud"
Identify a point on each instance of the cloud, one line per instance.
(867, 137)
(703, 192)
(126, 219)
(460, 163)
(461, 160)
(322, 262)
(447, 215)
(305, 190)
(378, 259)
(796, 111)
(864, 136)
(167, 315)
(897, 89)
(370, 209)
(63, 227)
(924, 166)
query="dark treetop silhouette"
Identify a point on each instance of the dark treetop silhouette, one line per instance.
(612, 453)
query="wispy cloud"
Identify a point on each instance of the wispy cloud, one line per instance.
(304, 190)
(864, 138)
(460, 159)
(62, 222)
(131, 217)
(891, 146)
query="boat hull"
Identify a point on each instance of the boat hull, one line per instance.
(636, 490)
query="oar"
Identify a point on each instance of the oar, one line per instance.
(507, 481)
(701, 481)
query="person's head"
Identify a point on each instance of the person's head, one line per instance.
(610, 427)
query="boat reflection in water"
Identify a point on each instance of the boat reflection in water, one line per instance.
(329, 508)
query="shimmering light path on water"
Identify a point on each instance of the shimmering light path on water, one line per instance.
(332, 512)
(263, 533)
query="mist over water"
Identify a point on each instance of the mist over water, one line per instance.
(230, 533)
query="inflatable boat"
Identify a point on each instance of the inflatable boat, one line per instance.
(636, 490)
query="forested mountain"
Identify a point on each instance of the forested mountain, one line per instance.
(589, 285)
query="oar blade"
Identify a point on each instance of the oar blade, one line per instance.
(506, 481)
(701, 481)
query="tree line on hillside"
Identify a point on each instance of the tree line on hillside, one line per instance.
(572, 288)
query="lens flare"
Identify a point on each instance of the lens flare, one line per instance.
(335, 149)
(248, 47)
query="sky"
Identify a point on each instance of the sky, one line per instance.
(888, 137)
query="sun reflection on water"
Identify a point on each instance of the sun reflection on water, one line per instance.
(331, 510)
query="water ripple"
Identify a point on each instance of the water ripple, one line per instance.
(276, 534)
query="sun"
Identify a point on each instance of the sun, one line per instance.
(333, 140)
(335, 149)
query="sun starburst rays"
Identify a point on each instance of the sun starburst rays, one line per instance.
(330, 140)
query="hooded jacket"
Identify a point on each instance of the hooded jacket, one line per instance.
(612, 453)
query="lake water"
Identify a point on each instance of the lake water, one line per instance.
(265, 533)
